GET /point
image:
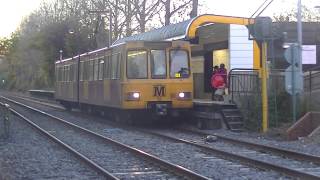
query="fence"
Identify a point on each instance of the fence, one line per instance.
(244, 89)
(312, 89)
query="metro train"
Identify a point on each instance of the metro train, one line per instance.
(131, 78)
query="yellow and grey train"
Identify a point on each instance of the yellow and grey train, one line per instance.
(135, 76)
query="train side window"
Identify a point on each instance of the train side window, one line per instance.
(107, 67)
(101, 68)
(57, 73)
(118, 66)
(71, 73)
(75, 72)
(158, 64)
(85, 70)
(137, 64)
(90, 70)
(96, 69)
(114, 66)
(67, 73)
(81, 71)
(63, 75)
(60, 73)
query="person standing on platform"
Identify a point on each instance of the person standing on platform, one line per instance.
(223, 73)
(214, 72)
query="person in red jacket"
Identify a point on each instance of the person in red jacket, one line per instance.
(219, 83)
(215, 71)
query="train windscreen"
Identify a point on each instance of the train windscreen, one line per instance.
(158, 64)
(179, 64)
(137, 64)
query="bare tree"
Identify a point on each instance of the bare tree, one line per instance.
(145, 11)
(194, 11)
(174, 7)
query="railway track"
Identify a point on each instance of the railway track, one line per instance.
(292, 163)
(118, 161)
(287, 162)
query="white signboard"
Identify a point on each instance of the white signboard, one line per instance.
(309, 54)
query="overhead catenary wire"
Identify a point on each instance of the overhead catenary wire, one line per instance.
(261, 6)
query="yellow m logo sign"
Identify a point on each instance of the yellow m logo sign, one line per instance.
(158, 91)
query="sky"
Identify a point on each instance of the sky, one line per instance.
(13, 11)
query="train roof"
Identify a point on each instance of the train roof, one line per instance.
(105, 48)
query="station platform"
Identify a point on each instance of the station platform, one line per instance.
(42, 93)
(210, 114)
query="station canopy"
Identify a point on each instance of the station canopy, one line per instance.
(184, 30)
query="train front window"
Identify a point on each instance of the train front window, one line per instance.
(137, 64)
(158, 64)
(179, 64)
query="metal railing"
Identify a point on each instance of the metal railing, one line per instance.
(245, 91)
(312, 79)
(242, 81)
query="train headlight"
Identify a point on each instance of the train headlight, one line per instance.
(133, 96)
(184, 95)
(136, 95)
(181, 95)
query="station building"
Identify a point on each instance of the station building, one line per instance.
(224, 41)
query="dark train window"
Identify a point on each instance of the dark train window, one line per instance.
(96, 69)
(101, 68)
(137, 64)
(107, 67)
(60, 73)
(86, 69)
(63, 74)
(71, 73)
(75, 72)
(179, 64)
(115, 66)
(81, 71)
(158, 64)
(67, 73)
(90, 70)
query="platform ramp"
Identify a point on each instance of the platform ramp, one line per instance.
(42, 93)
(307, 126)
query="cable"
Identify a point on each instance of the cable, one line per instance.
(262, 5)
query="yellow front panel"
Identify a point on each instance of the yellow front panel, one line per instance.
(150, 90)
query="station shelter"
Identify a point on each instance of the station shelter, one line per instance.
(214, 40)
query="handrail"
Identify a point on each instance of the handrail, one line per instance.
(230, 74)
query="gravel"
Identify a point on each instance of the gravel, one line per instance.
(305, 145)
(29, 155)
(185, 155)
(119, 162)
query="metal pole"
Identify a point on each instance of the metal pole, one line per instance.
(264, 93)
(299, 32)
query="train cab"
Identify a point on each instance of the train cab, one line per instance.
(158, 77)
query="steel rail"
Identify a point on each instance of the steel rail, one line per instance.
(244, 159)
(170, 166)
(95, 166)
(250, 161)
(267, 148)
